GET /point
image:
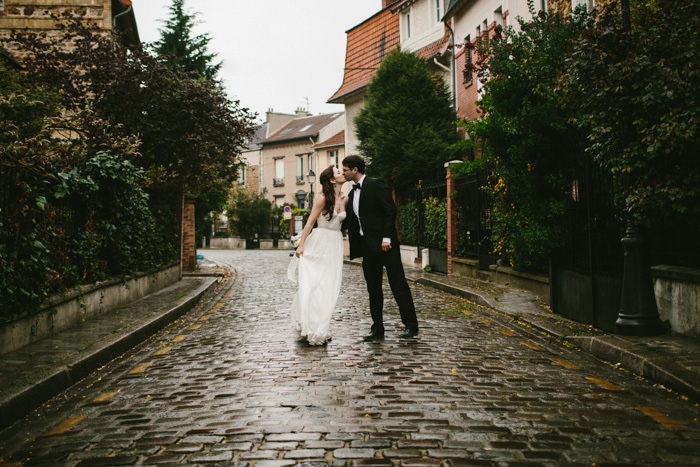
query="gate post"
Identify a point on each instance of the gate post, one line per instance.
(189, 248)
(451, 216)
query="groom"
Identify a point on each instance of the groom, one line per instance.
(371, 230)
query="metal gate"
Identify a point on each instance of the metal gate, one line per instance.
(434, 240)
(586, 275)
(473, 225)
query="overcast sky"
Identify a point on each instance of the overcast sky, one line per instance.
(279, 54)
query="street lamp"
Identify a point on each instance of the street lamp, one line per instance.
(311, 177)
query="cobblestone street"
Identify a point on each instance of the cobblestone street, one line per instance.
(228, 384)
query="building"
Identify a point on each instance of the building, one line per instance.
(367, 45)
(250, 175)
(295, 151)
(112, 16)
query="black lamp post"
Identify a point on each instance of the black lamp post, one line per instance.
(311, 177)
(638, 314)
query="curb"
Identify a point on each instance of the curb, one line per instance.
(23, 402)
(660, 370)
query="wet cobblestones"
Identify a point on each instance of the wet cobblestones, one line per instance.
(228, 385)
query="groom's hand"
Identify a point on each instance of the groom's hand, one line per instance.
(386, 246)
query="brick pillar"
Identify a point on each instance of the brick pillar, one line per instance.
(189, 246)
(451, 217)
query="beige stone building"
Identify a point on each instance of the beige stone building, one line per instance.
(37, 15)
(250, 174)
(307, 143)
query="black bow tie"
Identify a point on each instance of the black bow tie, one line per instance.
(356, 186)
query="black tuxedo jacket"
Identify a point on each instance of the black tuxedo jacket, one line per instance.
(377, 216)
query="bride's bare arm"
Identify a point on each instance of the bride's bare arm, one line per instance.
(313, 217)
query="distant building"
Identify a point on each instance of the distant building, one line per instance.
(295, 149)
(250, 174)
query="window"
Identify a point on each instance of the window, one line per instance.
(468, 72)
(407, 24)
(498, 17)
(279, 201)
(589, 4)
(241, 175)
(543, 5)
(300, 169)
(310, 162)
(333, 158)
(279, 172)
(438, 11)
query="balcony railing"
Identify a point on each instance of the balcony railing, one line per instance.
(278, 182)
(300, 179)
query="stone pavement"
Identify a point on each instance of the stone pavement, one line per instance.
(671, 360)
(226, 384)
(33, 374)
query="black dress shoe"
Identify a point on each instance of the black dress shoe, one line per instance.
(374, 336)
(408, 333)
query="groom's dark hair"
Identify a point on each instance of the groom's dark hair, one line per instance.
(353, 161)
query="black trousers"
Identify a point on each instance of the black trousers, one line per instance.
(373, 265)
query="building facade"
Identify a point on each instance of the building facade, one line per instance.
(290, 154)
(36, 15)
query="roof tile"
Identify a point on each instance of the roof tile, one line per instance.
(367, 45)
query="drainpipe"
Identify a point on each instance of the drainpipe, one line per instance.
(114, 25)
(313, 153)
(454, 65)
(443, 67)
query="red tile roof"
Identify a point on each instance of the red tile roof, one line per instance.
(430, 50)
(367, 44)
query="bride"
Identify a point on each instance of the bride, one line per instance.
(319, 260)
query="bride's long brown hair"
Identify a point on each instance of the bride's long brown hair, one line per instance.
(328, 191)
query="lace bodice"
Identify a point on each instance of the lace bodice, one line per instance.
(334, 223)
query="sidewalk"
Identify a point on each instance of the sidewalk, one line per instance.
(670, 360)
(33, 374)
(39, 371)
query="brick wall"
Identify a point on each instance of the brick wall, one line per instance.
(189, 248)
(467, 91)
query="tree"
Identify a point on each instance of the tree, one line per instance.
(187, 132)
(248, 213)
(180, 49)
(527, 135)
(637, 84)
(408, 125)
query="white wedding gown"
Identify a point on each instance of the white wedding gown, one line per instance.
(320, 271)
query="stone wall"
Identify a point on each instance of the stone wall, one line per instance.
(70, 309)
(677, 291)
(36, 16)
